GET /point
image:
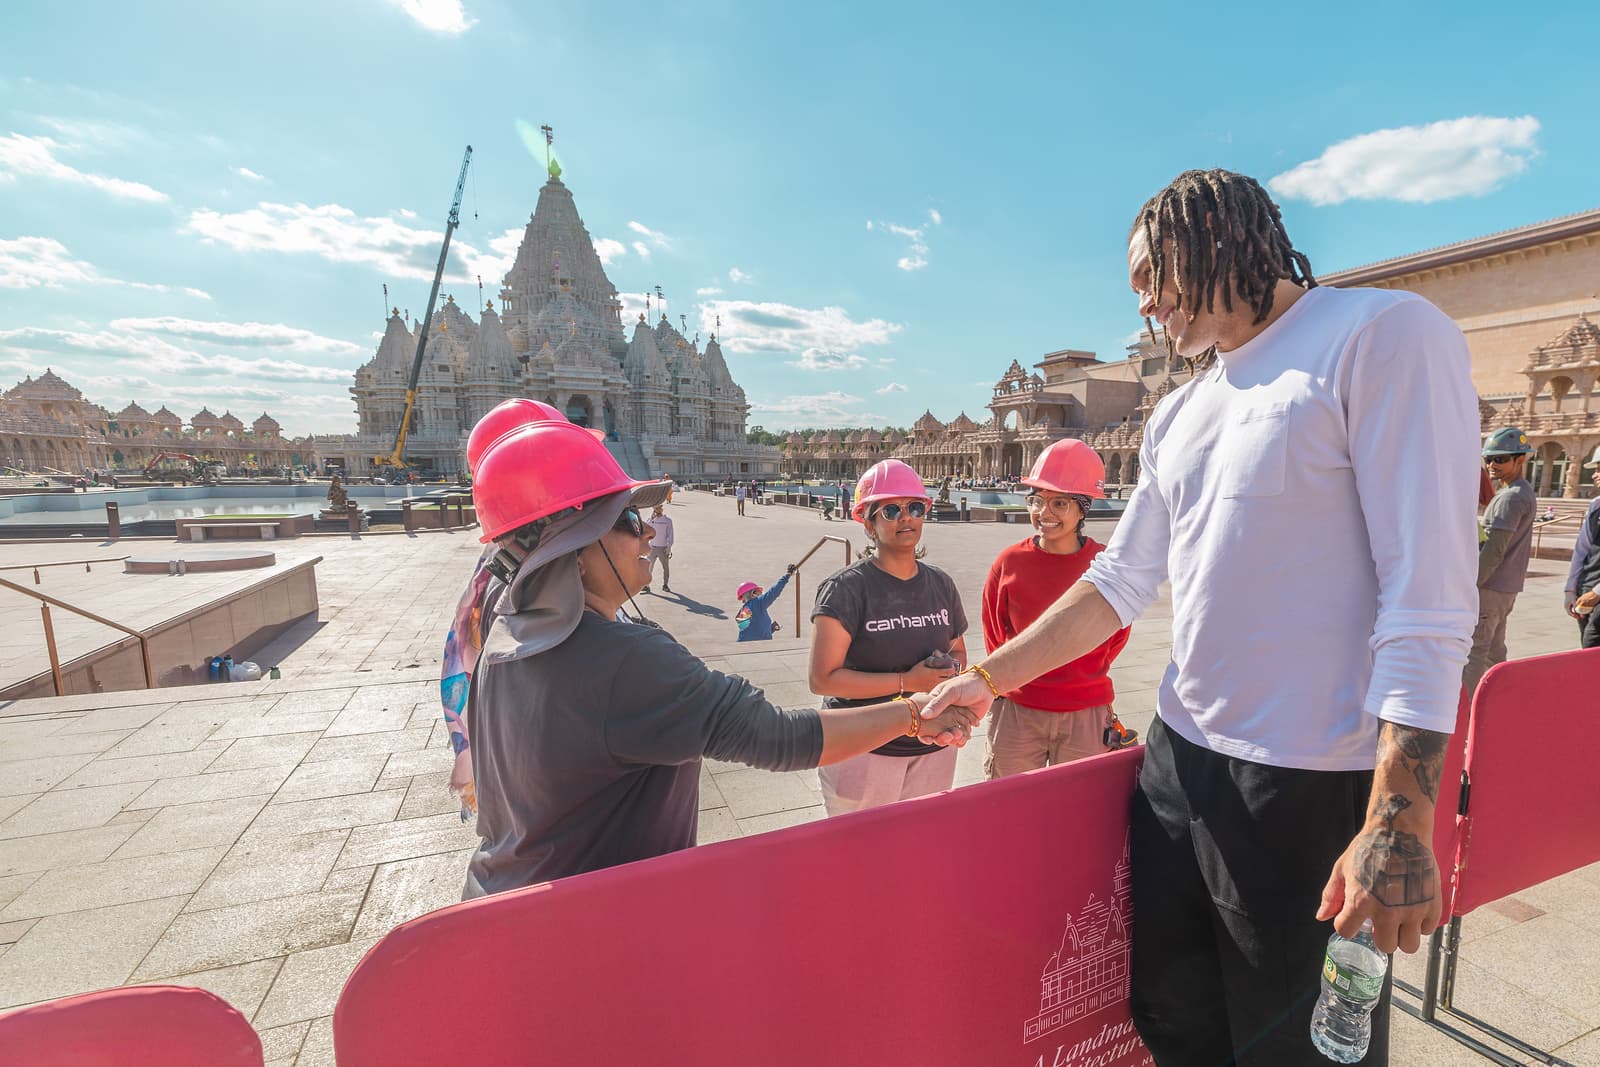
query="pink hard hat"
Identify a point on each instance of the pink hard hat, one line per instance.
(506, 416)
(1069, 466)
(887, 480)
(746, 587)
(544, 467)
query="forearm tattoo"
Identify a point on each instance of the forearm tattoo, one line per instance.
(1419, 751)
(1393, 865)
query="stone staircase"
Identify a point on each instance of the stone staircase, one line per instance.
(627, 451)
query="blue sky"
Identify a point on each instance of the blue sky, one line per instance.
(886, 203)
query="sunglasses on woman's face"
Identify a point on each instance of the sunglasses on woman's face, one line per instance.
(916, 509)
(630, 521)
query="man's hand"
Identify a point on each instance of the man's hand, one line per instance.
(1388, 874)
(968, 691)
(1568, 601)
(953, 726)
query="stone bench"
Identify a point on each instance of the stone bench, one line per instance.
(264, 531)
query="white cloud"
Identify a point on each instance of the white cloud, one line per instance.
(94, 134)
(820, 409)
(709, 290)
(407, 213)
(738, 276)
(633, 307)
(892, 387)
(33, 262)
(339, 235)
(246, 172)
(642, 249)
(767, 326)
(495, 263)
(36, 157)
(821, 359)
(241, 334)
(656, 238)
(938, 219)
(152, 353)
(1416, 164)
(439, 16)
(609, 248)
(917, 257)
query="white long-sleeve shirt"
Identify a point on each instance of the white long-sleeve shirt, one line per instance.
(1313, 499)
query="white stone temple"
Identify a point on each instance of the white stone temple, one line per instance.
(668, 406)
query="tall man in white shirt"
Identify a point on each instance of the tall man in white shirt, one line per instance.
(1321, 616)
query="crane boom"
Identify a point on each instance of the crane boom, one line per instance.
(395, 459)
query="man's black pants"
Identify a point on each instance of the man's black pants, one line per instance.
(1589, 630)
(1229, 862)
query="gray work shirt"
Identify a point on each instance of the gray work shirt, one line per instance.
(588, 755)
(1512, 509)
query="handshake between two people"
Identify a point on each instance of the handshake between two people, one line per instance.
(968, 694)
(946, 721)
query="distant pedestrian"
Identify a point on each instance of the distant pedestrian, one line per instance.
(1582, 592)
(661, 547)
(1503, 555)
(739, 493)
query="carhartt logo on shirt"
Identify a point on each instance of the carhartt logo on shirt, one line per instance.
(909, 622)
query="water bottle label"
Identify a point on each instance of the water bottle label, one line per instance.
(1350, 983)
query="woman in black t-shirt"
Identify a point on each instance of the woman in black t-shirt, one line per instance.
(887, 624)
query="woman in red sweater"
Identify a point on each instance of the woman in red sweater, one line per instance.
(1063, 715)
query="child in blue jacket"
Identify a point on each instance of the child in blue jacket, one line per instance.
(755, 624)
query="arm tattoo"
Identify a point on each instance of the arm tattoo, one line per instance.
(1419, 751)
(1393, 865)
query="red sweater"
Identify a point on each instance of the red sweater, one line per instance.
(1022, 583)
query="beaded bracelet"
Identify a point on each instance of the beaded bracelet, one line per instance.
(980, 672)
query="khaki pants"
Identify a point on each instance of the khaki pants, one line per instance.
(665, 556)
(1025, 739)
(1489, 639)
(871, 780)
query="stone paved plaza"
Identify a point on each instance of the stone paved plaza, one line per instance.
(257, 839)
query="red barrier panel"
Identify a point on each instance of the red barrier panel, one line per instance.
(139, 1026)
(1532, 754)
(984, 926)
(1445, 810)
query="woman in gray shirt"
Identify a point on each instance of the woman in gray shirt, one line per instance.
(587, 732)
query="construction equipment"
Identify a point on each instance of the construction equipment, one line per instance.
(396, 459)
(206, 472)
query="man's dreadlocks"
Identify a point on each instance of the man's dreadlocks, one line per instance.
(1227, 237)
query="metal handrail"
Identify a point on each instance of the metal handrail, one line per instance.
(88, 565)
(50, 633)
(826, 538)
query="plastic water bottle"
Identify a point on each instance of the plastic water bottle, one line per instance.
(227, 668)
(1352, 979)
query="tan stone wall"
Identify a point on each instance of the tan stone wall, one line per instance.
(1509, 304)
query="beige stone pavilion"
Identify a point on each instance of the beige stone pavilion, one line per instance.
(47, 426)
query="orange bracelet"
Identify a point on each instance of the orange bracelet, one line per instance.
(980, 672)
(916, 717)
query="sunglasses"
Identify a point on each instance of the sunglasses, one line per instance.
(630, 521)
(1490, 461)
(916, 509)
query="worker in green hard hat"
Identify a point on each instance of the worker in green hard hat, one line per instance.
(1503, 554)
